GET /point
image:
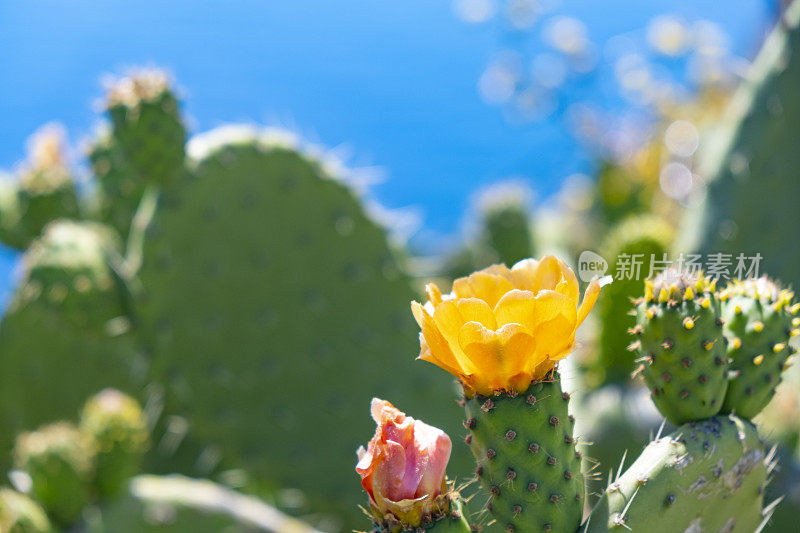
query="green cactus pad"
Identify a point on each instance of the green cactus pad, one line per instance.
(276, 308)
(644, 238)
(116, 425)
(758, 325)
(63, 336)
(145, 115)
(527, 461)
(59, 460)
(752, 161)
(706, 476)
(20, 514)
(681, 346)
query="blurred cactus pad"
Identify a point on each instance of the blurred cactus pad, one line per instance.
(236, 285)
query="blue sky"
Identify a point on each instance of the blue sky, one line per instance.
(392, 82)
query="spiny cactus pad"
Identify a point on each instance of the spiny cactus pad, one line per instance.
(758, 325)
(275, 307)
(527, 461)
(20, 514)
(116, 426)
(681, 347)
(147, 125)
(63, 336)
(59, 461)
(706, 476)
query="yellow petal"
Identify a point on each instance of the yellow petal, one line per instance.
(547, 275)
(568, 285)
(487, 287)
(497, 355)
(475, 310)
(438, 351)
(589, 298)
(523, 273)
(434, 294)
(516, 306)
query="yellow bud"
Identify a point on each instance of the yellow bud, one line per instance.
(737, 309)
(757, 360)
(758, 326)
(648, 290)
(649, 314)
(795, 308)
(663, 296)
(796, 322)
(688, 323)
(706, 303)
(708, 345)
(736, 343)
(778, 347)
(689, 294)
(794, 333)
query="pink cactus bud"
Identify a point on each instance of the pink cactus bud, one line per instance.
(403, 467)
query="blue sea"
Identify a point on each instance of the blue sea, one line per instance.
(392, 85)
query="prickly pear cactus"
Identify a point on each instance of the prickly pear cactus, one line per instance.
(636, 239)
(147, 126)
(533, 473)
(680, 345)
(44, 193)
(20, 514)
(270, 296)
(706, 476)
(758, 319)
(116, 426)
(64, 336)
(59, 460)
(752, 163)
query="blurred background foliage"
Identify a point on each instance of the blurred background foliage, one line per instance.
(249, 289)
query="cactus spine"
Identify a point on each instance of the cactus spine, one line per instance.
(525, 451)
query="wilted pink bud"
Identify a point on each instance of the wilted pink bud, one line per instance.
(403, 467)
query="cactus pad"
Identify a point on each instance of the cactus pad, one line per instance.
(758, 325)
(681, 346)
(63, 337)
(147, 125)
(275, 308)
(526, 456)
(706, 476)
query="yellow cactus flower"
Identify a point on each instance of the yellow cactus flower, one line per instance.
(501, 329)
